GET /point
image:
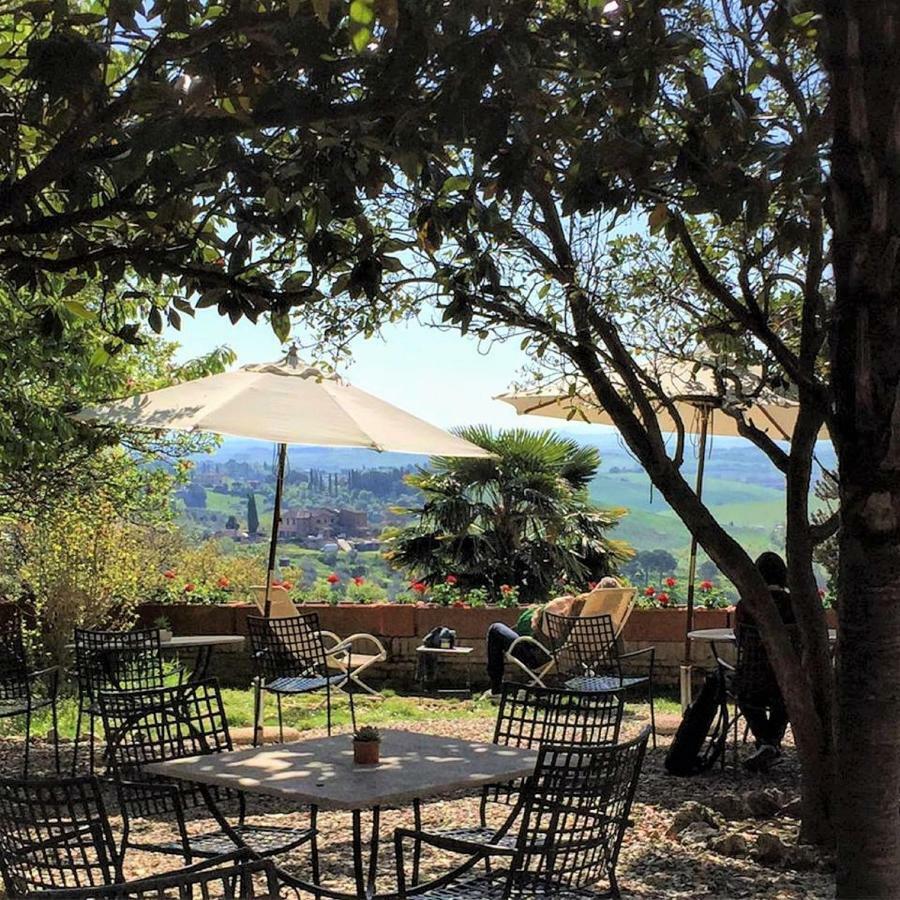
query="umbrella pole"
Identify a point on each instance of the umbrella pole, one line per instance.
(276, 523)
(686, 666)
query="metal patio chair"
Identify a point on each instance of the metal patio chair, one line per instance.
(750, 683)
(574, 813)
(112, 661)
(587, 658)
(615, 602)
(24, 691)
(56, 844)
(55, 835)
(290, 659)
(531, 717)
(162, 724)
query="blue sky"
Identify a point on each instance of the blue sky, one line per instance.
(438, 375)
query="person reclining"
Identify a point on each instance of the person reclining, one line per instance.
(500, 637)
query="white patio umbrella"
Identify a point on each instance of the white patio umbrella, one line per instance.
(288, 402)
(700, 394)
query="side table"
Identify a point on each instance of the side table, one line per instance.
(427, 679)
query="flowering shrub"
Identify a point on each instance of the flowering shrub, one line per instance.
(204, 574)
(669, 595)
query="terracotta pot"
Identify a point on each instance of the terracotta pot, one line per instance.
(366, 753)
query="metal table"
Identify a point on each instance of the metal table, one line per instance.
(321, 774)
(202, 643)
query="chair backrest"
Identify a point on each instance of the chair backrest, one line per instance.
(614, 602)
(13, 659)
(55, 834)
(287, 647)
(117, 660)
(532, 717)
(582, 645)
(160, 724)
(576, 809)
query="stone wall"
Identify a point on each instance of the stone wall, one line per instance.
(401, 629)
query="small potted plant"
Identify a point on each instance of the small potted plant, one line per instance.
(366, 746)
(164, 626)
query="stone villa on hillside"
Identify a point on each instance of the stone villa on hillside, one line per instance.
(299, 524)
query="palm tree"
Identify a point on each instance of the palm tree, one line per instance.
(522, 518)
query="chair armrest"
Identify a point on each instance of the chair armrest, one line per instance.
(358, 637)
(454, 845)
(632, 653)
(528, 639)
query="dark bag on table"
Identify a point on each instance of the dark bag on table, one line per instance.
(437, 637)
(700, 738)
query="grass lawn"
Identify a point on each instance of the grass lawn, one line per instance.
(305, 713)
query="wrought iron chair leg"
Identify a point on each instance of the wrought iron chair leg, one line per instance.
(652, 708)
(77, 741)
(614, 885)
(314, 849)
(257, 704)
(54, 718)
(280, 719)
(92, 719)
(27, 740)
(417, 848)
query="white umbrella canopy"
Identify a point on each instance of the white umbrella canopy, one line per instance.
(692, 388)
(287, 402)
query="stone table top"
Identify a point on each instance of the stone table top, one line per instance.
(726, 635)
(321, 772)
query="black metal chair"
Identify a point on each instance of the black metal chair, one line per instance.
(290, 659)
(55, 835)
(575, 809)
(750, 684)
(587, 658)
(24, 691)
(112, 661)
(56, 844)
(162, 724)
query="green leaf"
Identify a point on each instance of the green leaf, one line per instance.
(281, 325)
(79, 310)
(99, 357)
(362, 16)
(155, 320)
(456, 183)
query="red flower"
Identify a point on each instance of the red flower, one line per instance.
(459, 604)
(671, 582)
(663, 598)
(169, 573)
(592, 585)
(189, 587)
(276, 582)
(706, 585)
(419, 587)
(358, 580)
(223, 582)
(451, 579)
(333, 578)
(286, 585)
(506, 589)
(650, 591)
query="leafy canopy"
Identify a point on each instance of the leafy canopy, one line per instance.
(522, 518)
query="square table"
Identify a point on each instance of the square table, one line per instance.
(321, 773)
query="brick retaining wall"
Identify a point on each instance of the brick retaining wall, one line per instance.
(402, 627)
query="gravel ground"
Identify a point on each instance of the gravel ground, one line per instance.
(655, 862)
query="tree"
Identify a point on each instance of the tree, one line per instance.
(554, 127)
(252, 515)
(520, 518)
(707, 571)
(862, 55)
(197, 149)
(232, 523)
